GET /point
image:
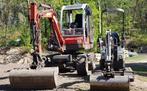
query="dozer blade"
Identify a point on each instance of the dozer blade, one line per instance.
(44, 78)
(100, 83)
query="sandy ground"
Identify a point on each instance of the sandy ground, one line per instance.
(69, 81)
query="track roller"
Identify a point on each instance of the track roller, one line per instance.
(43, 78)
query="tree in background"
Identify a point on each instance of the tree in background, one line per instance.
(14, 17)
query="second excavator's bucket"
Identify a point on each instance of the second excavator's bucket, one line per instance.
(44, 78)
(101, 83)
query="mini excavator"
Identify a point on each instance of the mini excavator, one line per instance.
(112, 74)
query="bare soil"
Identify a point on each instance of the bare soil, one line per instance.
(68, 81)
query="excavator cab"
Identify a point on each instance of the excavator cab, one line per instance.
(76, 26)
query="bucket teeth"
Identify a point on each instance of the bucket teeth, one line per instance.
(44, 78)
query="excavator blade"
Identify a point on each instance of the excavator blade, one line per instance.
(100, 83)
(43, 78)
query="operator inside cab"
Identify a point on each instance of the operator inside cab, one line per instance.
(75, 21)
(75, 27)
(77, 24)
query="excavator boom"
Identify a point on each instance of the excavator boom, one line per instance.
(48, 13)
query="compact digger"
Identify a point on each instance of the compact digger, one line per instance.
(73, 33)
(112, 75)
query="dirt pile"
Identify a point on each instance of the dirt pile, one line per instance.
(13, 55)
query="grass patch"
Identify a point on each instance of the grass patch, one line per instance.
(137, 58)
(138, 65)
(140, 70)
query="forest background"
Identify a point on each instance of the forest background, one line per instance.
(14, 25)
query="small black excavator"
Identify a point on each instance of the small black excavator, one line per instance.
(112, 75)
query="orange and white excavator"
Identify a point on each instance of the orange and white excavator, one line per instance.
(67, 38)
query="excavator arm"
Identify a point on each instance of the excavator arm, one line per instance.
(35, 16)
(57, 43)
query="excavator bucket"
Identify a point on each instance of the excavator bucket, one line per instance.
(100, 83)
(44, 78)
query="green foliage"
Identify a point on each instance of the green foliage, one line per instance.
(25, 36)
(138, 40)
(14, 15)
(13, 43)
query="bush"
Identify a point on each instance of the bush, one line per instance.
(14, 43)
(138, 41)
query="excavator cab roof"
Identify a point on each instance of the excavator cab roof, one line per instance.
(74, 7)
(78, 7)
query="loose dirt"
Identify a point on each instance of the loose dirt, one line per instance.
(68, 81)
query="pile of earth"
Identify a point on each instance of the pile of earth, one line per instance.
(14, 55)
